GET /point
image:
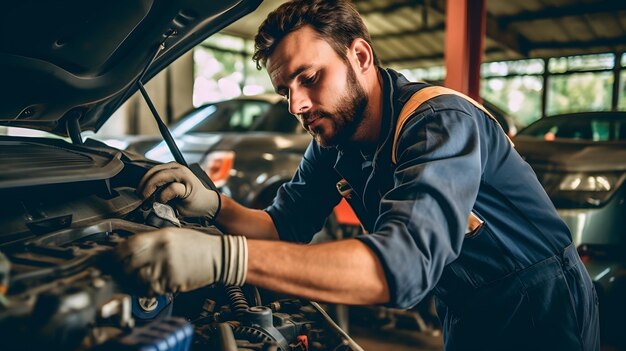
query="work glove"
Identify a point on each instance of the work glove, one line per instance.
(175, 181)
(179, 260)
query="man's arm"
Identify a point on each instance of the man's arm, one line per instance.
(236, 219)
(346, 272)
(178, 259)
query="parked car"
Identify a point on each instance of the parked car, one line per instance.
(581, 161)
(248, 145)
(67, 202)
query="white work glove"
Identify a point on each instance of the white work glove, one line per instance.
(179, 260)
(178, 182)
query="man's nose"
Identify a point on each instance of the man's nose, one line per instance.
(299, 103)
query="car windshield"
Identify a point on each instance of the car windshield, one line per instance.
(237, 116)
(608, 126)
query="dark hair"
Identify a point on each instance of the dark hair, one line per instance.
(336, 21)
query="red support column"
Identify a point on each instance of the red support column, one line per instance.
(465, 33)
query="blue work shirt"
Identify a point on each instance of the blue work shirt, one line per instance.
(452, 159)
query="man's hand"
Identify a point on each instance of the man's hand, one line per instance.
(178, 182)
(176, 259)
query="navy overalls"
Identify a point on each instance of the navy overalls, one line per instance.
(515, 284)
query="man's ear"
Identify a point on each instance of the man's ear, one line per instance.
(362, 54)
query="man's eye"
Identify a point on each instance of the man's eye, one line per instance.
(284, 94)
(309, 80)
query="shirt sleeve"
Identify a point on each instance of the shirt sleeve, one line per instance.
(302, 205)
(423, 217)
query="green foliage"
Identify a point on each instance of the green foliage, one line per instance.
(519, 96)
(622, 90)
(580, 92)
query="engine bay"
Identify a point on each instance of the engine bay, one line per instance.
(60, 293)
(59, 288)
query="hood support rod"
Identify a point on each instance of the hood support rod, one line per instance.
(165, 132)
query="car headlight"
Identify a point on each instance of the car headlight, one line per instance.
(581, 190)
(587, 182)
(218, 165)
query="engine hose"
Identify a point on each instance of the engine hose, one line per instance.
(256, 295)
(238, 302)
(226, 338)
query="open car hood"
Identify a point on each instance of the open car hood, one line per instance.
(75, 62)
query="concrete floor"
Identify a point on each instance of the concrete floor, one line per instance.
(385, 340)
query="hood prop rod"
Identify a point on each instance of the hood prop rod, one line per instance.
(165, 132)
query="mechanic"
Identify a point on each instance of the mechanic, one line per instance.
(514, 281)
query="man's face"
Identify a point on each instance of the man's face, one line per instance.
(322, 89)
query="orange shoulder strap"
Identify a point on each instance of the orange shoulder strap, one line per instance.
(417, 99)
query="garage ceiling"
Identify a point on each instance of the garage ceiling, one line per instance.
(411, 33)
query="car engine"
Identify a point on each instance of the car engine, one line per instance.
(63, 216)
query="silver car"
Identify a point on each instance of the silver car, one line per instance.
(581, 161)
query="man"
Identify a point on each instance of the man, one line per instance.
(513, 283)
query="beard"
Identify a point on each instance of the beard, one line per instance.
(346, 117)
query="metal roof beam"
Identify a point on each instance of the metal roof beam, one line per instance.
(495, 30)
(437, 56)
(497, 33)
(508, 39)
(439, 28)
(617, 41)
(395, 6)
(553, 12)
